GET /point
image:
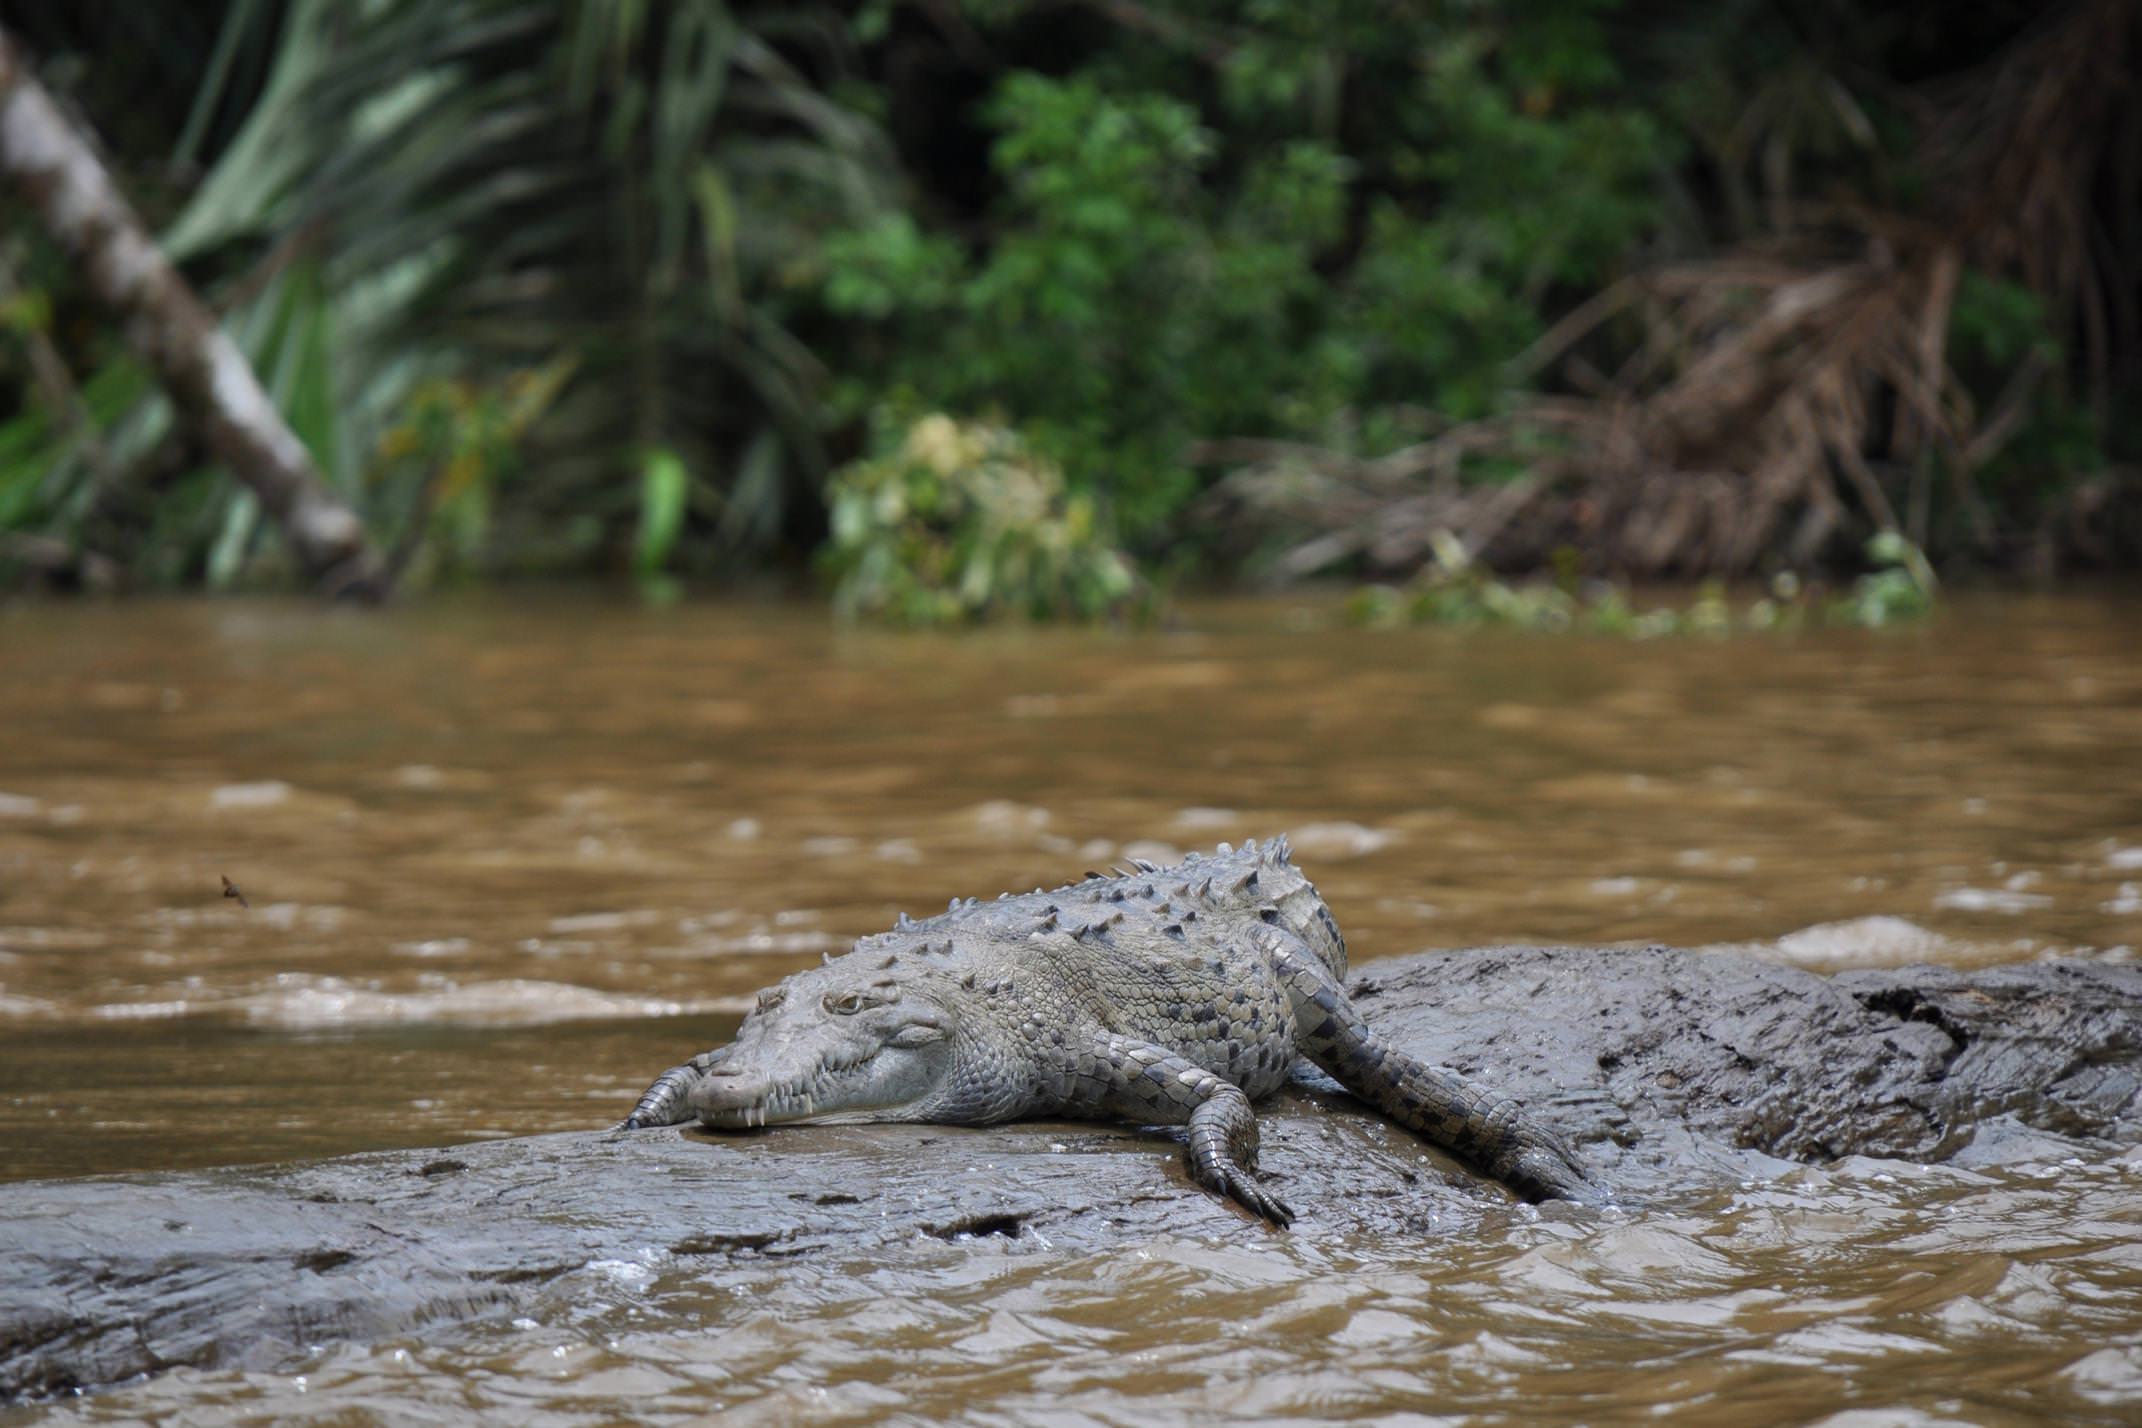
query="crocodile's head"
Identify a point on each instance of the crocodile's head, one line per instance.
(836, 1043)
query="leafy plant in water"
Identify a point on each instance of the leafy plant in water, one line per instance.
(1455, 590)
(955, 521)
(1900, 587)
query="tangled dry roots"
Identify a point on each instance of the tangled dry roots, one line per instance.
(1793, 389)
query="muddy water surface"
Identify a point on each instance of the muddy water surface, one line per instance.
(505, 860)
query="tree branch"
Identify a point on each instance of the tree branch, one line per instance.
(207, 377)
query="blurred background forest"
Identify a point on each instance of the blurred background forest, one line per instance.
(983, 304)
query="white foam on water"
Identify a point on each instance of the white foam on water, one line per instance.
(265, 794)
(304, 1001)
(1990, 900)
(1878, 941)
(1327, 842)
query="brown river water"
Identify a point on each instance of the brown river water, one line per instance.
(506, 858)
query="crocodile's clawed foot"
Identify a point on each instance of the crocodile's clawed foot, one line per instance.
(1235, 1183)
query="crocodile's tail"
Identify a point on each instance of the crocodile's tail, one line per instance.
(1491, 1131)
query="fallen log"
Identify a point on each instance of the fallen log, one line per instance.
(1673, 1073)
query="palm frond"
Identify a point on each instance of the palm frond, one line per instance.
(469, 188)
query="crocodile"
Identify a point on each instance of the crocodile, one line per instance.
(1158, 995)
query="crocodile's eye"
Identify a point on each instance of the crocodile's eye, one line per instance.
(771, 998)
(845, 1003)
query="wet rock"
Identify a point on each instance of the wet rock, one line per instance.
(1662, 1064)
(1673, 1073)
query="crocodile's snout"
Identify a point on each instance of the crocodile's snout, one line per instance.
(730, 1096)
(828, 1046)
(735, 1097)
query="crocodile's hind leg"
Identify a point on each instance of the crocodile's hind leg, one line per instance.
(1490, 1131)
(668, 1101)
(1142, 1082)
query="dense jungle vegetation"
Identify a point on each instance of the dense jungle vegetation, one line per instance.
(984, 304)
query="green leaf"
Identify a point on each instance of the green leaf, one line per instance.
(663, 487)
(226, 558)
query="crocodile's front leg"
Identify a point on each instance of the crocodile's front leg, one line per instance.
(1491, 1131)
(668, 1101)
(1142, 1082)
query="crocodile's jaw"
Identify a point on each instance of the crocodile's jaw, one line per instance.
(732, 1103)
(793, 1062)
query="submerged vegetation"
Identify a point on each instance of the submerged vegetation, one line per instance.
(1454, 590)
(1454, 292)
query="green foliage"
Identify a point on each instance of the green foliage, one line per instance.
(456, 445)
(1996, 324)
(1527, 185)
(1162, 226)
(22, 443)
(23, 313)
(1152, 280)
(1453, 590)
(1900, 587)
(662, 490)
(1997, 329)
(428, 192)
(1100, 313)
(950, 522)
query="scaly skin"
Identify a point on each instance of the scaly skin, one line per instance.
(1161, 995)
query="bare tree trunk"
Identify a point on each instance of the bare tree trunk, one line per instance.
(207, 377)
